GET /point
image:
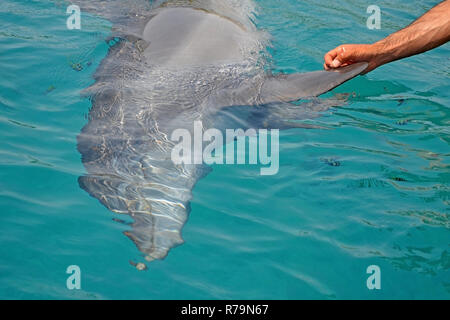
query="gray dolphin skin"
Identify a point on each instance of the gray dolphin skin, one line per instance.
(172, 63)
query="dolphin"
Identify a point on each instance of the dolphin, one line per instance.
(173, 63)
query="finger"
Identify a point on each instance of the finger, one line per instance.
(336, 57)
(330, 56)
(343, 58)
(348, 55)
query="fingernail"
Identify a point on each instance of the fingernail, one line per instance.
(336, 63)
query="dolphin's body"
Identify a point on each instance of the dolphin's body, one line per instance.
(180, 62)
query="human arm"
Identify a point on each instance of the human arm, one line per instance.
(428, 32)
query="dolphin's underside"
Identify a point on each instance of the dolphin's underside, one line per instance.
(176, 64)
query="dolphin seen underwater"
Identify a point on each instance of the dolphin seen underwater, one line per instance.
(173, 63)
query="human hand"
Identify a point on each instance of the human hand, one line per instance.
(352, 53)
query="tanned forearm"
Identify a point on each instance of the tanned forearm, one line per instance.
(428, 32)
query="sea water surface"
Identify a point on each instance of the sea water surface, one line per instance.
(373, 189)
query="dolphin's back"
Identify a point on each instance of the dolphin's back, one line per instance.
(180, 37)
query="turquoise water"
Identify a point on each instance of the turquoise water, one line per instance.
(309, 232)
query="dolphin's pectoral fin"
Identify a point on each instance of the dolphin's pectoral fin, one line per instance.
(268, 106)
(286, 87)
(292, 87)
